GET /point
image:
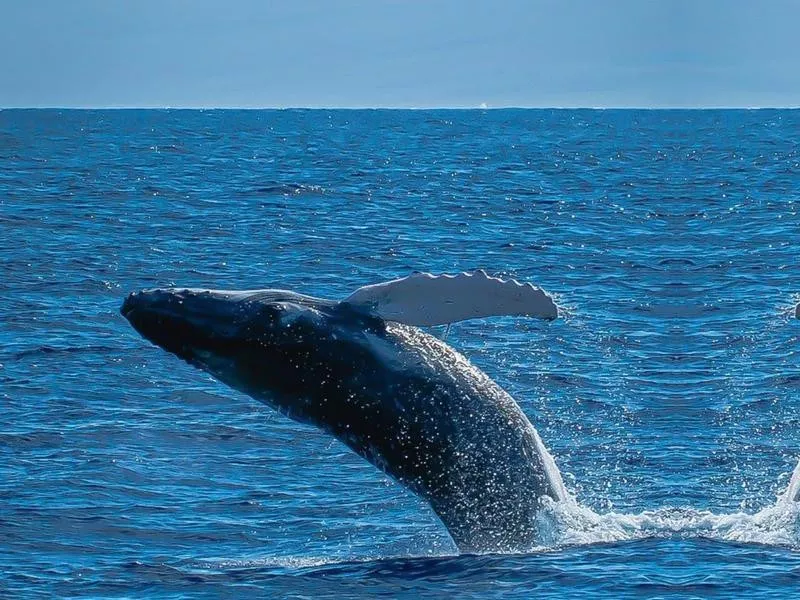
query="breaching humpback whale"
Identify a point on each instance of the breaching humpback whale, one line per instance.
(363, 371)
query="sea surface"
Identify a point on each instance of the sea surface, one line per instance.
(668, 391)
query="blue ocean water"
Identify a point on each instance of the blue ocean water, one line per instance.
(669, 392)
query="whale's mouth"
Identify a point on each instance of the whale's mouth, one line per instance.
(159, 326)
(129, 305)
(180, 322)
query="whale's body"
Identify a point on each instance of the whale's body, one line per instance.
(402, 399)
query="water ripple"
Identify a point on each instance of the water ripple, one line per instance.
(667, 393)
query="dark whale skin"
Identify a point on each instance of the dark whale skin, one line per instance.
(402, 399)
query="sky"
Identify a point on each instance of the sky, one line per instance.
(399, 53)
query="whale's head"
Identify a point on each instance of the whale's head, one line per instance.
(275, 345)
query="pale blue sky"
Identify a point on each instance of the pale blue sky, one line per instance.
(399, 53)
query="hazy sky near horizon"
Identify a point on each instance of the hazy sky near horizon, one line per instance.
(399, 53)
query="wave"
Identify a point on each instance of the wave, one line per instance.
(45, 350)
(562, 524)
(575, 532)
(287, 189)
(569, 524)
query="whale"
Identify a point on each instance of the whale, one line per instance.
(396, 395)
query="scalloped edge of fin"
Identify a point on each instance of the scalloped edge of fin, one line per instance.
(423, 299)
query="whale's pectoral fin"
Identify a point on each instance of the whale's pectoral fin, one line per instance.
(424, 300)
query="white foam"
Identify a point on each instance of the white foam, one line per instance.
(568, 524)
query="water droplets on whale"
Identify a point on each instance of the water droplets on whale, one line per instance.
(402, 399)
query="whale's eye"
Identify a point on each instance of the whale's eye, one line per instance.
(298, 316)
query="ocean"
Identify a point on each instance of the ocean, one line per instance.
(668, 391)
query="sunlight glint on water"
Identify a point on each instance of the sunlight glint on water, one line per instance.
(668, 393)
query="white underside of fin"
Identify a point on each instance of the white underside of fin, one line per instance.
(424, 300)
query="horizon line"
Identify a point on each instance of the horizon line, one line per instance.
(398, 108)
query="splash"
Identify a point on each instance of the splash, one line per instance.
(560, 525)
(569, 524)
